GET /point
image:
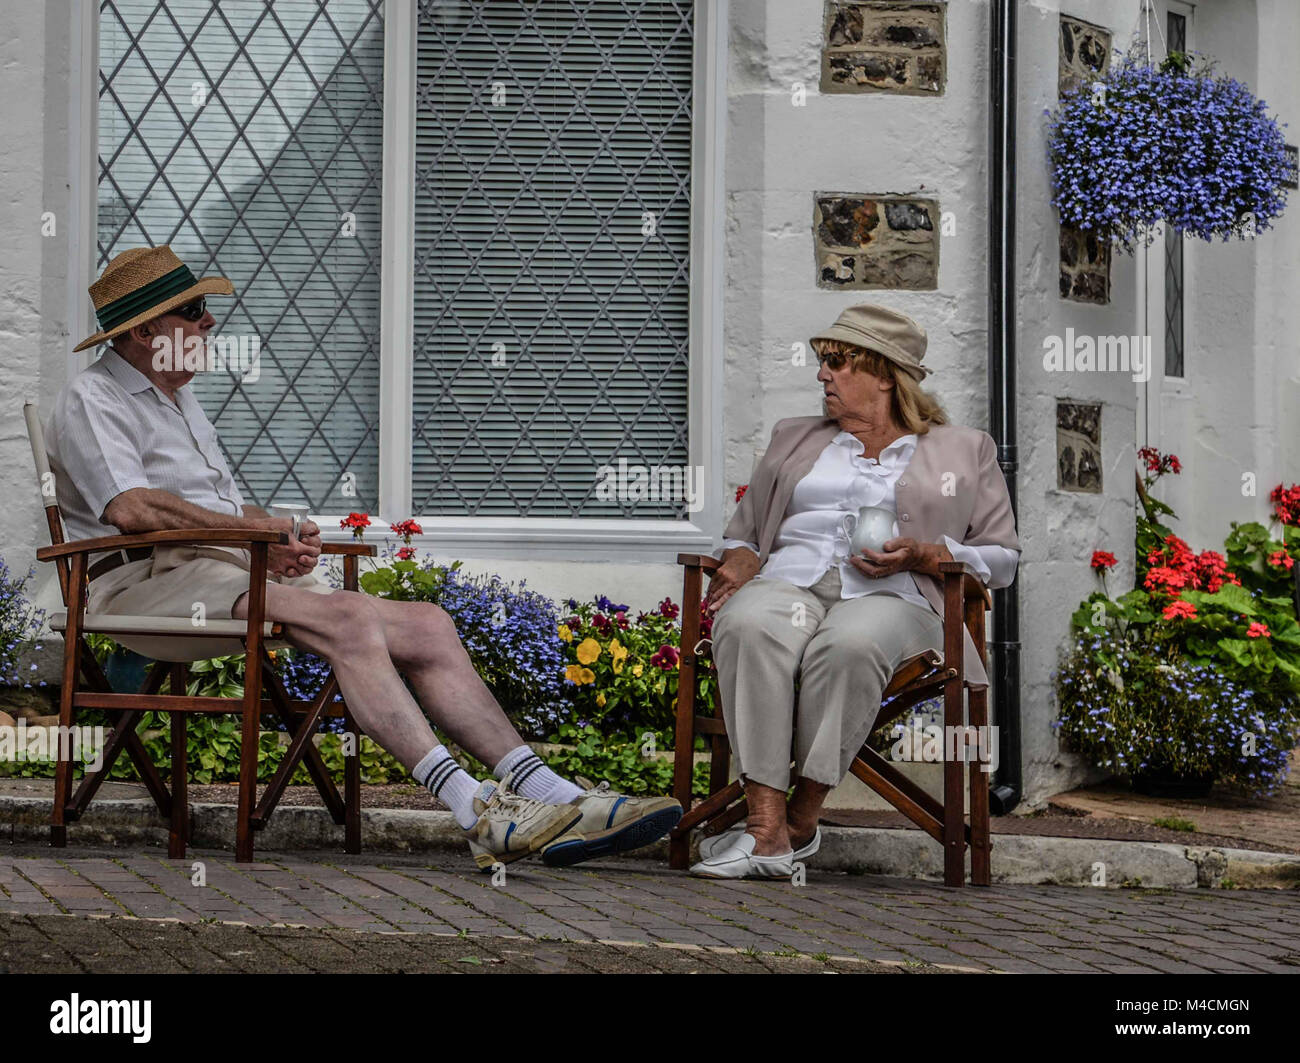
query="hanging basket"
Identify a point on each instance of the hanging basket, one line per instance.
(1171, 143)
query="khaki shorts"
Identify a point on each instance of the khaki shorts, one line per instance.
(177, 581)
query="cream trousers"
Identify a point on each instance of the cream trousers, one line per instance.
(842, 651)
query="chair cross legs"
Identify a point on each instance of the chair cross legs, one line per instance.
(917, 679)
(85, 686)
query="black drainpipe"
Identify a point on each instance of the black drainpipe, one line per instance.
(1005, 641)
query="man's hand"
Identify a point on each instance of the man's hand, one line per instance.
(739, 566)
(299, 557)
(901, 555)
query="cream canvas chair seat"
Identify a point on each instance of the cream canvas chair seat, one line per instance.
(179, 626)
(85, 686)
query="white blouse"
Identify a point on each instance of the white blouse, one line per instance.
(813, 536)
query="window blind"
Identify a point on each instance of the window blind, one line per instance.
(552, 240)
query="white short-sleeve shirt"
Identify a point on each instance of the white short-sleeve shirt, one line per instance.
(113, 430)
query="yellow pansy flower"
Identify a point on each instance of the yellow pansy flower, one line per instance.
(575, 673)
(588, 651)
(619, 652)
(600, 700)
(565, 633)
(636, 669)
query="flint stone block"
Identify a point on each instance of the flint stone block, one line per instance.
(884, 46)
(864, 241)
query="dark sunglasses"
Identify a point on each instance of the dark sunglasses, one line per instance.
(834, 359)
(193, 311)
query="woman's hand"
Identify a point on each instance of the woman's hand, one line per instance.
(901, 555)
(739, 566)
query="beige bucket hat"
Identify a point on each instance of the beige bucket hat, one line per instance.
(143, 283)
(877, 328)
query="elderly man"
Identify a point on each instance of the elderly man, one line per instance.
(131, 447)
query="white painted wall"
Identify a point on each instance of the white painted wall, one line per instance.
(33, 270)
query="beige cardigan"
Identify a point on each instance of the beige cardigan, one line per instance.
(952, 486)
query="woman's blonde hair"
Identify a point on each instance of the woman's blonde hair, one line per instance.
(913, 409)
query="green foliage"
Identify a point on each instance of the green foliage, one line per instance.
(623, 763)
(407, 581)
(1174, 823)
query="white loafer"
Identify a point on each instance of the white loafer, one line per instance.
(737, 860)
(710, 846)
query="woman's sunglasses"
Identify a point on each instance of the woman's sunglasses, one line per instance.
(193, 311)
(834, 359)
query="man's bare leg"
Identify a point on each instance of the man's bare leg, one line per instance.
(345, 629)
(424, 644)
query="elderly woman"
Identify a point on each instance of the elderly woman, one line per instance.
(791, 602)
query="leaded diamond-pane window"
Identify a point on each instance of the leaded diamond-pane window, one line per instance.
(552, 223)
(248, 135)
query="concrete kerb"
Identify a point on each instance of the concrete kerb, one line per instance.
(1017, 859)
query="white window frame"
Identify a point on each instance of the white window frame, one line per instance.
(1150, 284)
(502, 537)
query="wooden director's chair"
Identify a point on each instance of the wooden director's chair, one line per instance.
(917, 679)
(253, 636)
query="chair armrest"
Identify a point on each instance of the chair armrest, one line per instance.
(356, 549)
(168, 537)
(700, 561)
(972, 585)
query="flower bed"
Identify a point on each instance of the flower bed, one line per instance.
(1196, 670)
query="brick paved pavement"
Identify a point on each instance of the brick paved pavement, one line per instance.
(863, 918)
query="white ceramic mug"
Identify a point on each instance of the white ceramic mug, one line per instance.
(870, 528)
(296, 511)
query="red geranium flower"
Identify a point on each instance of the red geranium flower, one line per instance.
(406, 529)
(358, 522)
(1286, 503)
(1103, 559)
(1179, 610)
(1281, 559)
(1258, 631)
(1160, 463)
(405, 553)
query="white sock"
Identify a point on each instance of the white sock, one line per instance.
(533, 779)
(449, 783)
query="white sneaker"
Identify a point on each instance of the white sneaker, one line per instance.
(738, 861)
(612, 823)
(509, 826)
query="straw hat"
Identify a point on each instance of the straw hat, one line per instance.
(141, 284)
(877, 328)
